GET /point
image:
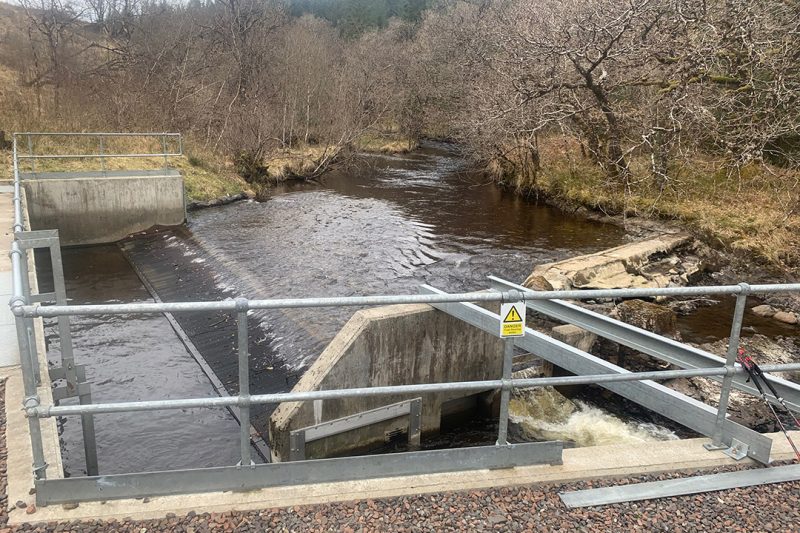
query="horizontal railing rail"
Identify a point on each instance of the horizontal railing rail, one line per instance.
(361, 392)
(173, 141)
(364, 301)
(94, 156)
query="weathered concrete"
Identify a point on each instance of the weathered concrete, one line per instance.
(93, 210)
(9, 351)
(621, 267)
(395, 345)
(18, 444)
(574, 336)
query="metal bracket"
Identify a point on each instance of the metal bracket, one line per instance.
(738, 450)
(411, 408)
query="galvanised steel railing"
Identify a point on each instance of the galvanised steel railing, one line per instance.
(168, 140)
(240, 476)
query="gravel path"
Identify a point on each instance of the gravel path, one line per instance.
(765, 508)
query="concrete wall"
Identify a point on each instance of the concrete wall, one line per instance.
(92, 210)
(393, 345)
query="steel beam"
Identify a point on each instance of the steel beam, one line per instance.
(668, 350)
(54, 491)
(663, 400)
(679, 487)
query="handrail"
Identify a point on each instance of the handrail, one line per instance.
(102, 155)
(482, 296)
(88, 156)
(361, 392)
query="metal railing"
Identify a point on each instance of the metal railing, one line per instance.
(167, 141)
(246, 474)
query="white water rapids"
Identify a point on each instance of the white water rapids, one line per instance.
(545, 414)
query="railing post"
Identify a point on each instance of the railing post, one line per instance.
(164, 150)
(30, 153)
(730, 360)
(30, 332)
(31, 395)
(31, 401)
(102, 154)
(244, 382)
(505, 394)
(74, 387)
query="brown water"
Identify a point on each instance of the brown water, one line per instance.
(132, 358)
(386, 227)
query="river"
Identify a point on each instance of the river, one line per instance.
(384, 226)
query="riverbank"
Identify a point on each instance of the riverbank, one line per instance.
(211, 179)
(752, 214)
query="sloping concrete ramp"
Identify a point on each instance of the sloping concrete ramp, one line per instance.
(679, 487)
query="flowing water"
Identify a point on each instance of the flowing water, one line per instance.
(545, 414)
(385, 227)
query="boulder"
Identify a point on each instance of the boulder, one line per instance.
(574, 336)
(766, 311)
(537, 283)
(652, 317)
(785, 316)
(652, 263)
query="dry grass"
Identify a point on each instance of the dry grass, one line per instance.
(206, 176)
(754, 210)
(386, 144)
(302, 161)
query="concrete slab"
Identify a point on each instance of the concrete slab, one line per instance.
(9, 351)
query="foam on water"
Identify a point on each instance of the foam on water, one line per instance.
(544, 414)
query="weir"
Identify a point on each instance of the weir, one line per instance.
(392, 369)
(90, 206)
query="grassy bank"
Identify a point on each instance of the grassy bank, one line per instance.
(207, 175)
(753, 211)
(305, 160)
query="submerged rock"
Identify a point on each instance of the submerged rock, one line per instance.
(652, 317)
(537, 283)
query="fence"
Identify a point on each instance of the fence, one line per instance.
(166, 140)
(246, 475)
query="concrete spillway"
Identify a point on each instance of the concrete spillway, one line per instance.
(103, 207)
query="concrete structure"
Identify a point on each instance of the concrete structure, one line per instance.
(392, 345)
(9, 354)
(18, 444)
(102, 207)
(626, 266)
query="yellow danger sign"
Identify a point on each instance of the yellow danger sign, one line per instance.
(513, 321)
